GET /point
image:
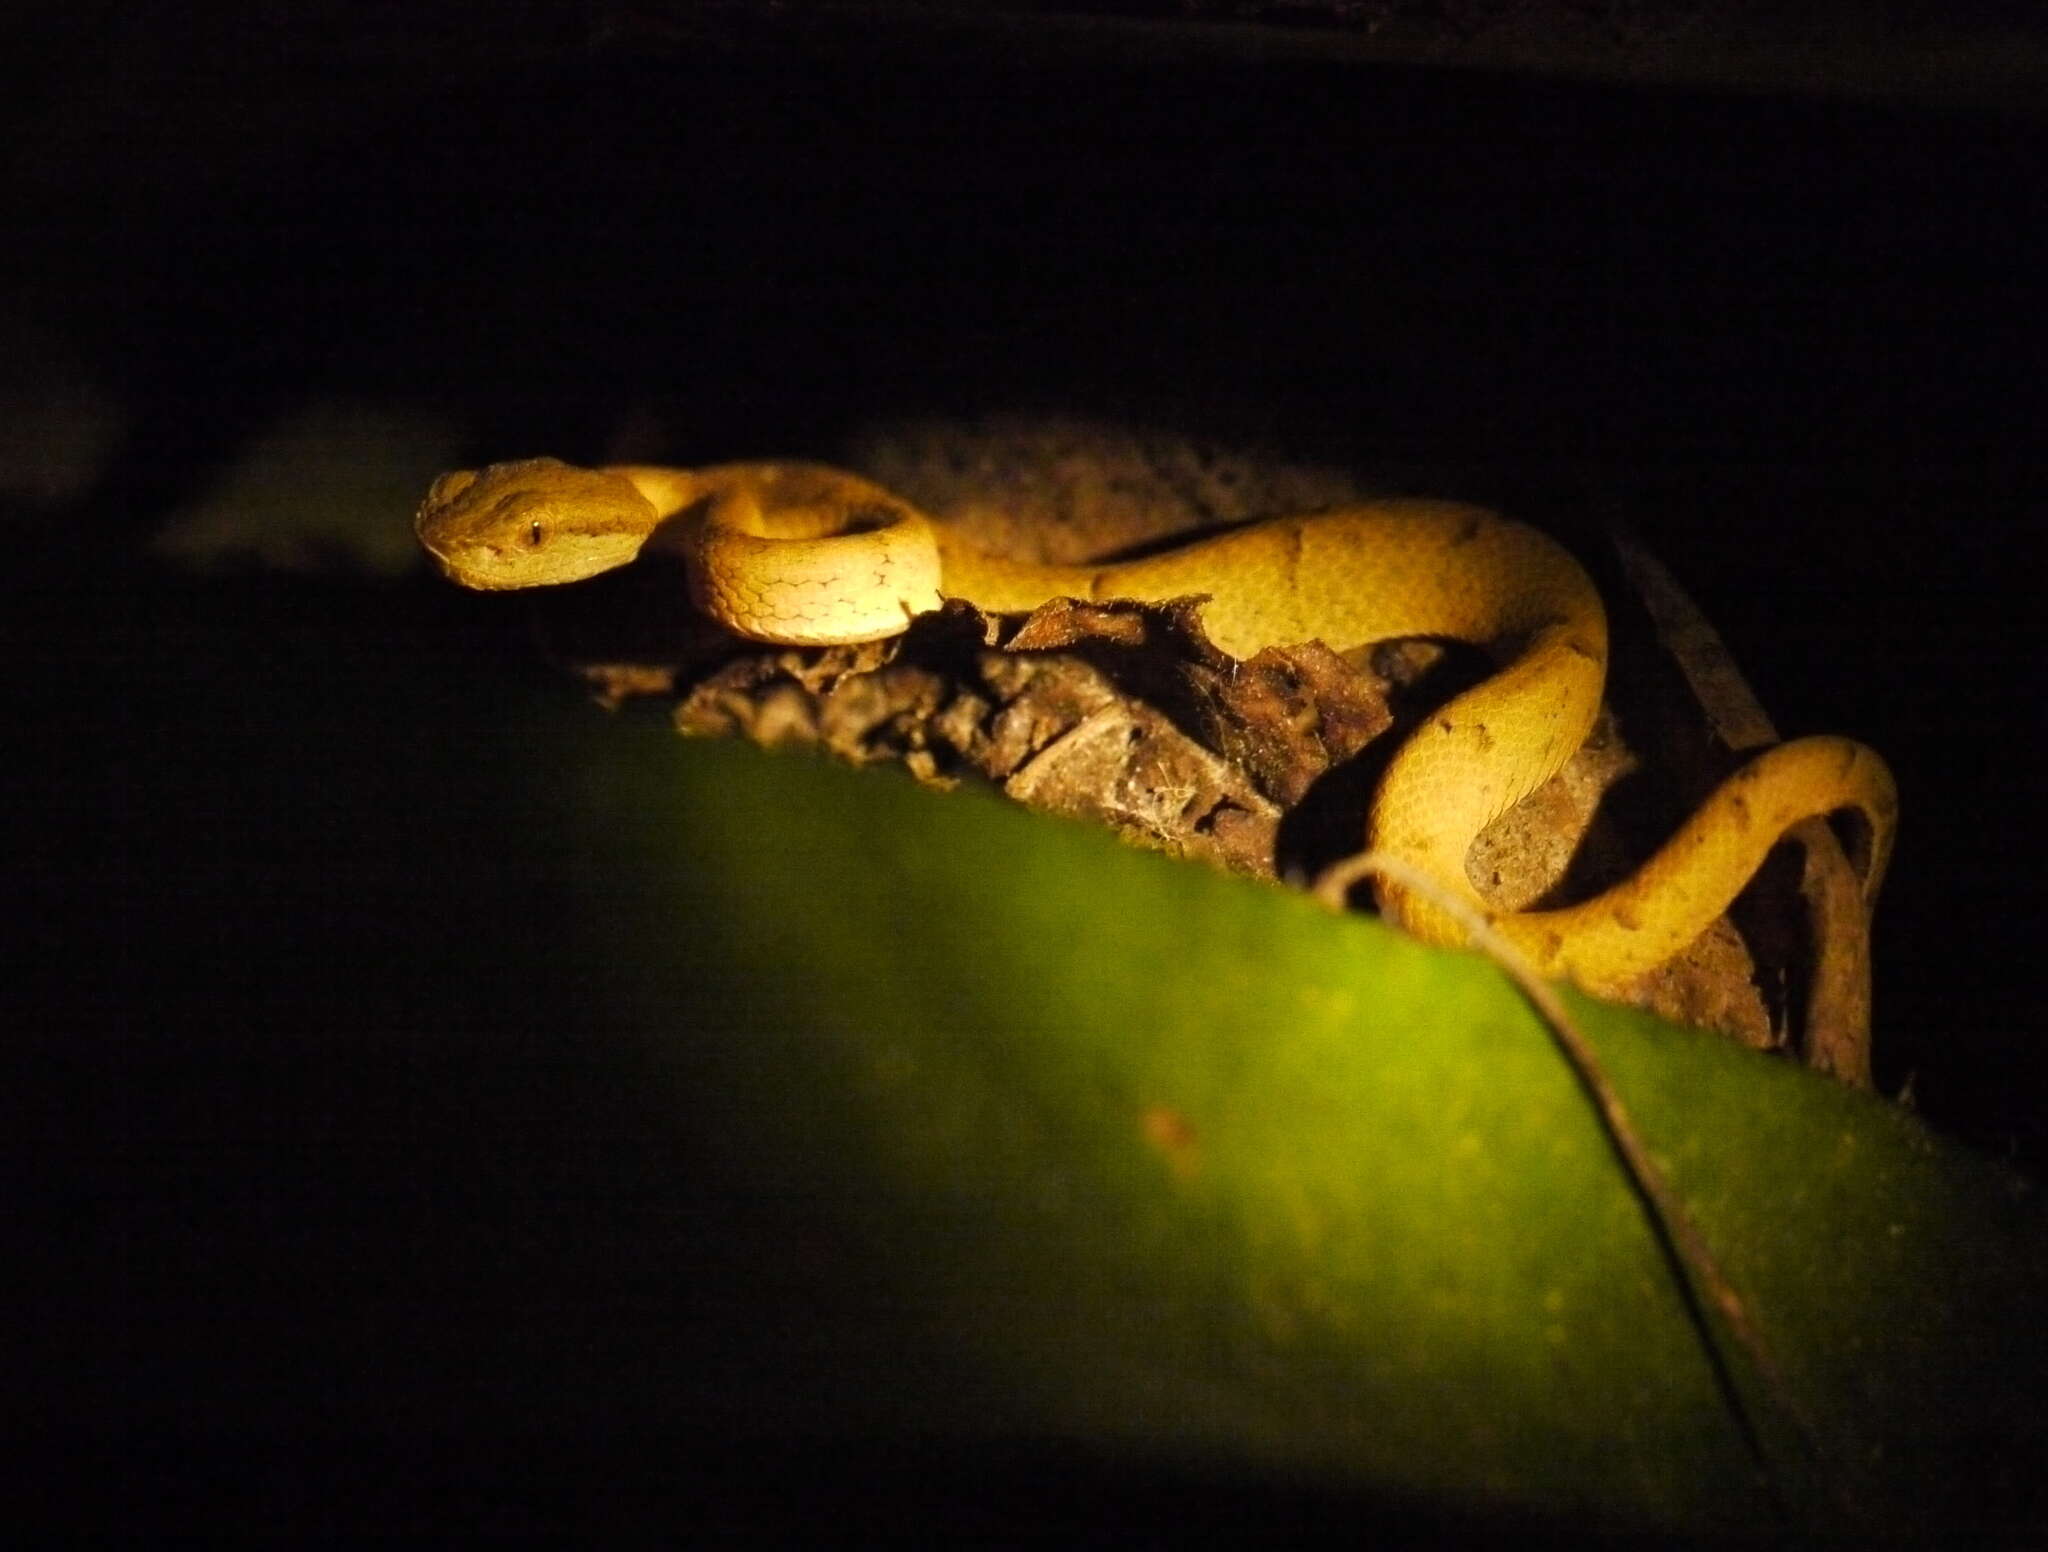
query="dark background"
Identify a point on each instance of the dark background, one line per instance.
(1795, 337)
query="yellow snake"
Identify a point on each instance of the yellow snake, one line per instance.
(802, 554)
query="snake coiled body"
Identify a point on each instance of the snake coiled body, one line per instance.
(802, 554)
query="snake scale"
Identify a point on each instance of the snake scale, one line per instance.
(802, 554)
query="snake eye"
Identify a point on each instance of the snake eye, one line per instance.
(533, 533)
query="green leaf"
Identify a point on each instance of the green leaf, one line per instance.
(1179, 1163)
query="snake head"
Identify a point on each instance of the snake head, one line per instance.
(532, 523)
